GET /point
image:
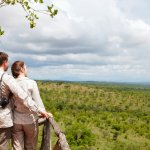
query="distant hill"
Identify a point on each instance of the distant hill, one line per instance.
(101, 82)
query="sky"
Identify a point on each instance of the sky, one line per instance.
(99, 40)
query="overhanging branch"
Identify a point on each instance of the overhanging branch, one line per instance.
(31, 13)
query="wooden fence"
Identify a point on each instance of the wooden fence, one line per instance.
(61, 144)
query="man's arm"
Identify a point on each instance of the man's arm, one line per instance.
(36, 96)
(17, 91)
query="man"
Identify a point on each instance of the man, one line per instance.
(9, 85)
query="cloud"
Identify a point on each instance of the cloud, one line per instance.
(135, 9)
(100, 40)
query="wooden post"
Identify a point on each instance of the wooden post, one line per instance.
(61, 136)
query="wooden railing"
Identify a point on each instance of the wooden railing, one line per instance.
(61, 144)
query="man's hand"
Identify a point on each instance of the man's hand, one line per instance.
(45, 114)
(50, 115)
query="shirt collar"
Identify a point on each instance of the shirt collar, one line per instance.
(21, 78)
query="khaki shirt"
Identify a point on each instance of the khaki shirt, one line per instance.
(21, 113)
(9, 84)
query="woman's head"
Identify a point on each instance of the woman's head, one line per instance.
(18, 68)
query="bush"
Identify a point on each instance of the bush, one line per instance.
(79, 135)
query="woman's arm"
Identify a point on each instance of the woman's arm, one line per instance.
(36, 96)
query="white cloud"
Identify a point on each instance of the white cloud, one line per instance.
(94, 40)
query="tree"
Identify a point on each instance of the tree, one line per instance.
(31, 11)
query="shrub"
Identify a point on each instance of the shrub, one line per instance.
(79, 135)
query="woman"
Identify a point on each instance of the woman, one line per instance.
(25, 129)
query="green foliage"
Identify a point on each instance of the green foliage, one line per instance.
(1, 31)
(79, 135)
(100, 116)
(52, 12)
(31, 12)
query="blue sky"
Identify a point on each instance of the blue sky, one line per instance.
(100, 40)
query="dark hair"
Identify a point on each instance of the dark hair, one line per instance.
(3, 57)
(16, 68)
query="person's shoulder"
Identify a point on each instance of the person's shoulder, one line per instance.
(7, 76)
(31, 81)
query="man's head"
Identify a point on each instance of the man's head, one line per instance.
(4, 61)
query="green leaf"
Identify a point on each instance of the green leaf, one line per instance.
(26, 3)
(41, 1)
(36, 17)
(1, 32)
(32, 24)
(55, 12)
(50, 8)
(28, 7)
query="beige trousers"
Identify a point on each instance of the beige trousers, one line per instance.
(5, 136)
(25, 136)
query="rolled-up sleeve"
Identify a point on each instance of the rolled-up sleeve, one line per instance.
(18, 92)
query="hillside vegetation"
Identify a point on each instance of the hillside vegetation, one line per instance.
(100, 116)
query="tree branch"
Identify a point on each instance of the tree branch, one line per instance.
(30, 11)
(2, 3)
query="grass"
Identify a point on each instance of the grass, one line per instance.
(99, 116)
